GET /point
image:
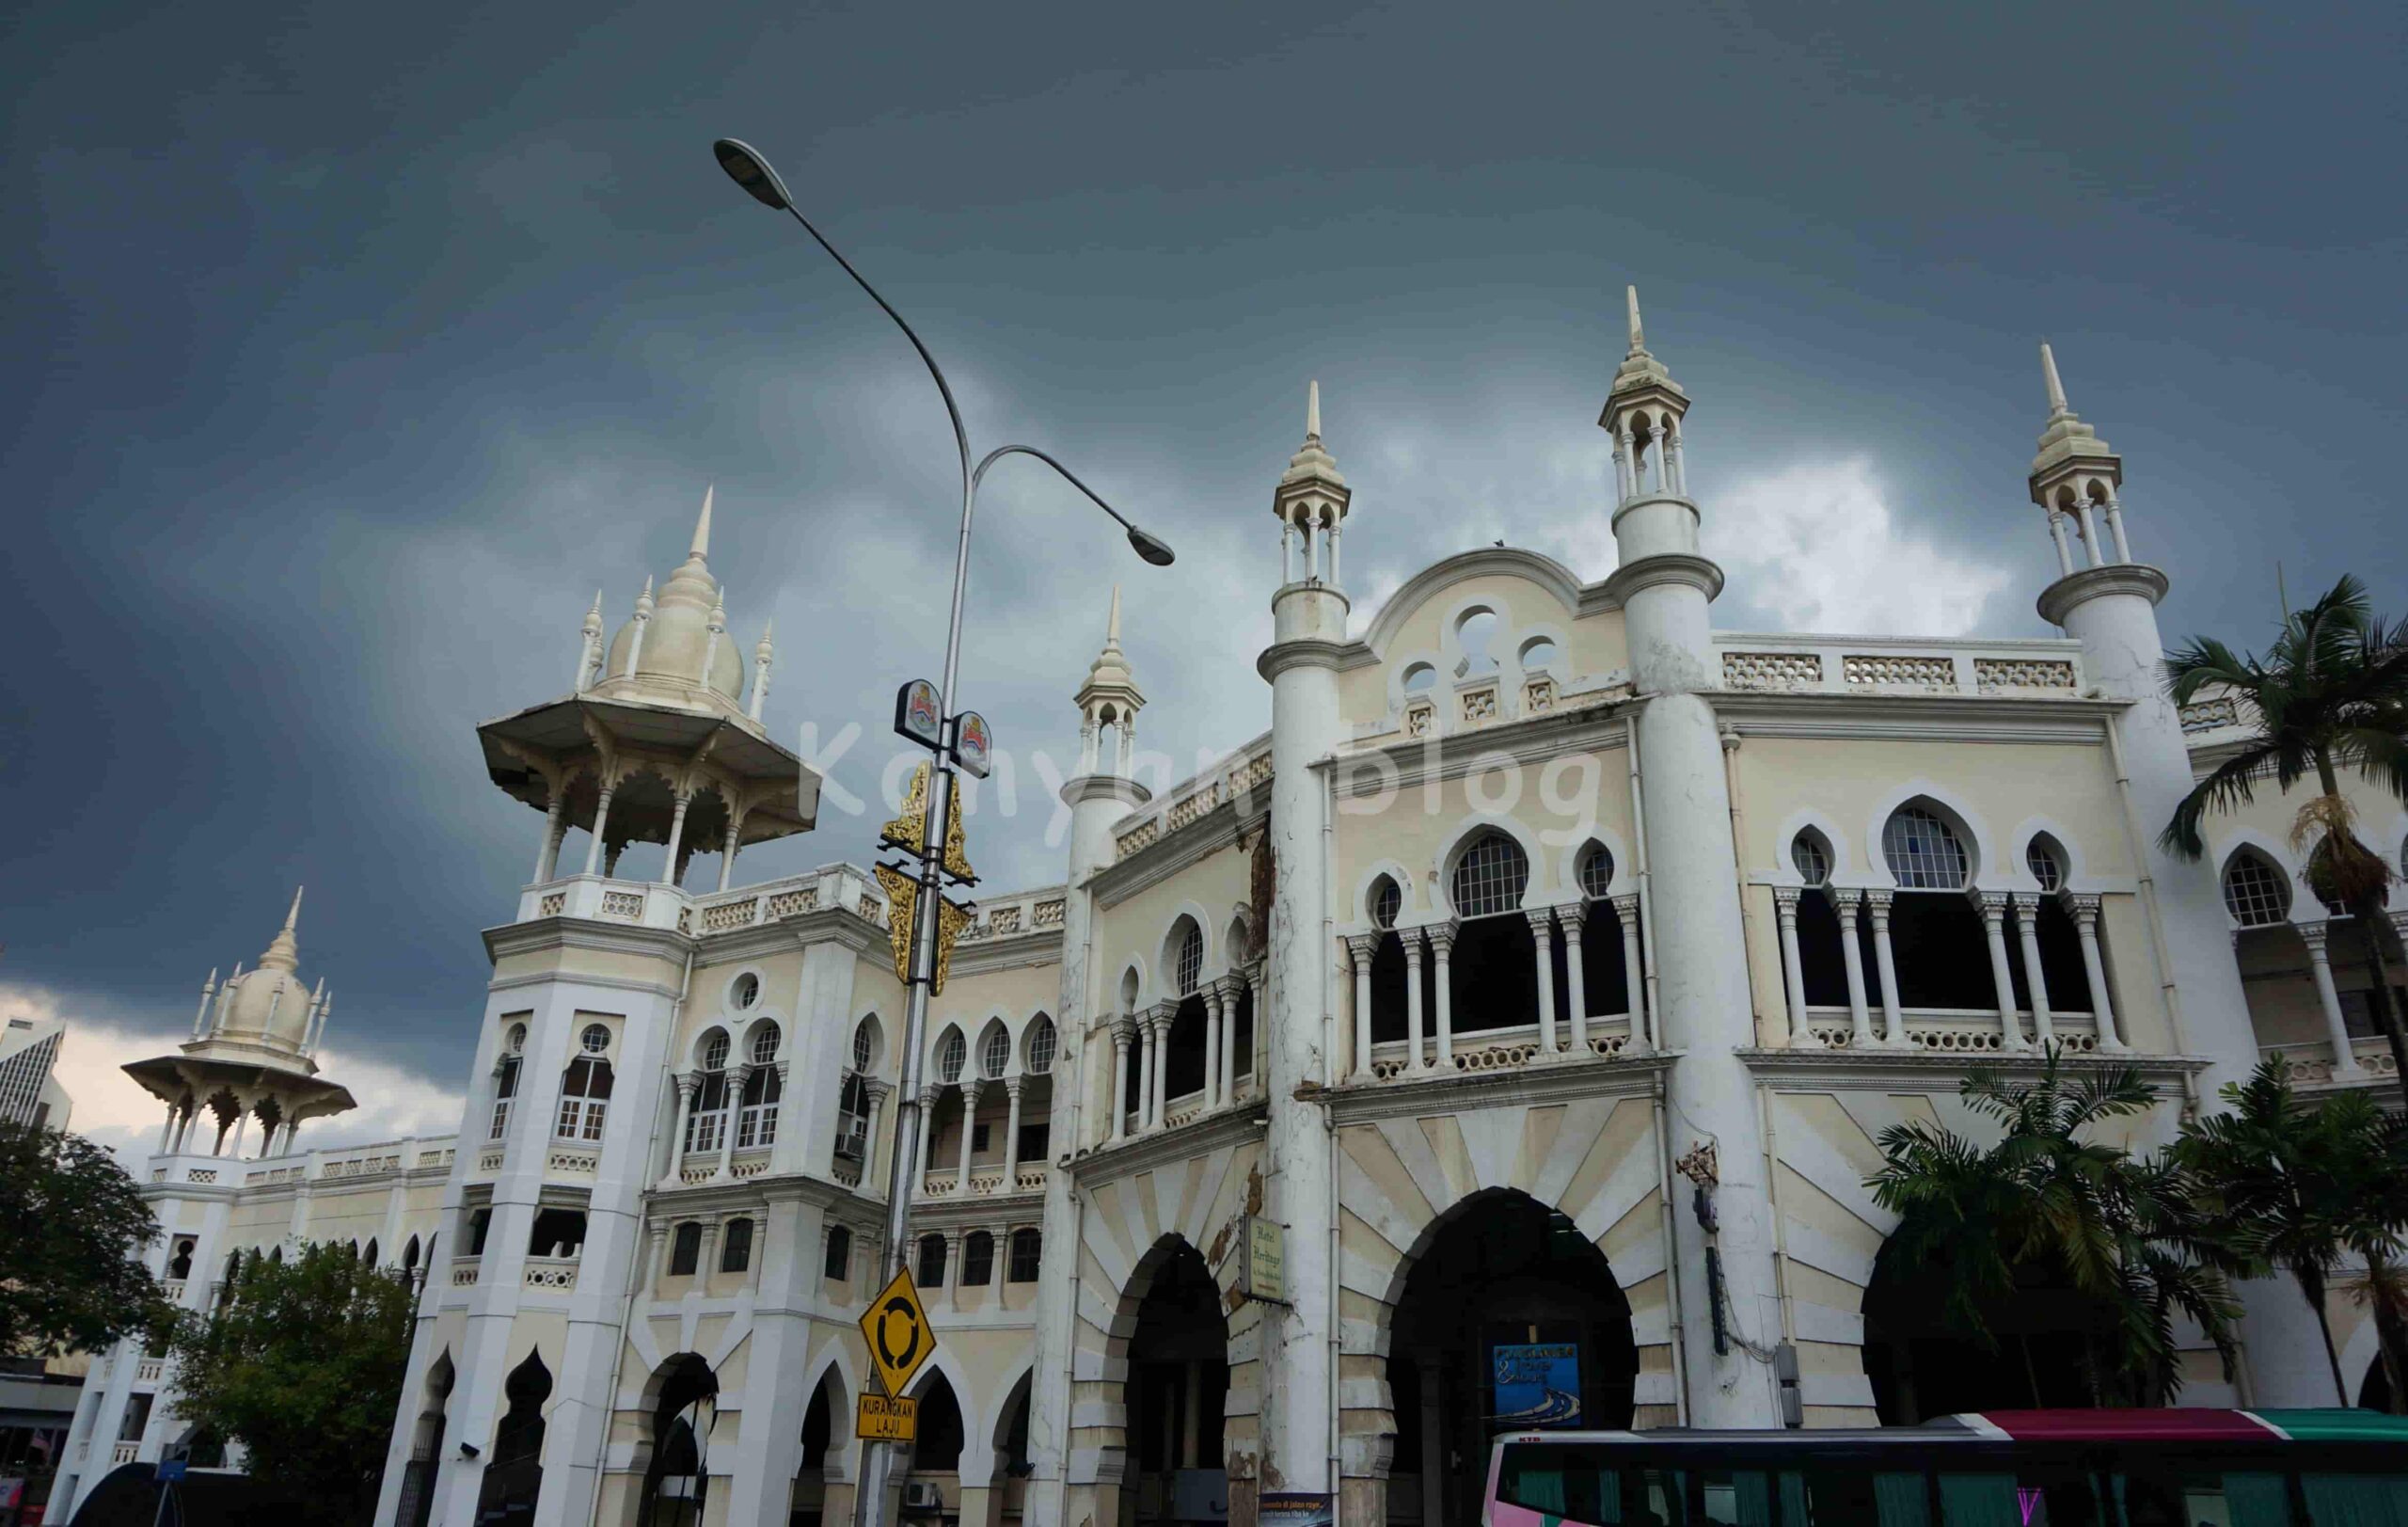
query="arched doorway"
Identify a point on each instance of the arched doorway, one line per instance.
(2049, 1345)
(1176, 1388)
(1509, 1319)
(685, 1405)
(426, 1445)
(936, 1456)
(807, 1506)
(514, 1474)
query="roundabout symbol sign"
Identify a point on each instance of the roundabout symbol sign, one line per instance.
(900, 1339)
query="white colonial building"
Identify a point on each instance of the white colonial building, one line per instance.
(1547, 972)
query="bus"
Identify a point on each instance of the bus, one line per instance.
(2171, 1468)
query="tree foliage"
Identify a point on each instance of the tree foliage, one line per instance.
(73, 1228)
(302, 1365)
(2121, 1230)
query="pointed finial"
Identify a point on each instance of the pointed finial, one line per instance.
(762, 648)
(594, 616)
(293, 915)
(718, 613)
(1312, 410)
(644, 600)
(702, 546)
(2056, 388)
(1638, 334)
(1112, 629)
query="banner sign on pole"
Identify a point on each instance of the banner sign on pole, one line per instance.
(918, 716)
(973, 745)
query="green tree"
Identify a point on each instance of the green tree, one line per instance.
(2378, 1218)
(2287, 1183)
(2121, 1230)
(302, 1365)
(73, 1228)
(2330, 696)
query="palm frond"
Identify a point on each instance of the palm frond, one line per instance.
(2230, 785)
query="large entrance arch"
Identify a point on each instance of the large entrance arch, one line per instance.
(683, 1408)
(1176, 1388)
(2049, 1345)
(513, 1476)
(1509, 1319)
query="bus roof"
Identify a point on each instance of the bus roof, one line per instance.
(2172, 1424)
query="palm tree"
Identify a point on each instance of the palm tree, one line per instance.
(2377, 1221)
(2283, 1181)
(2120, 1230)
(2331, 694)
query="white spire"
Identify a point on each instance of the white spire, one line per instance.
(589, 647)
(762, 651)
(702, 547)
(1112, 628)
(2057, 407)
(1312, 410)
(326, 1012)
(208, 990)
(292, 913)
(1638, 335)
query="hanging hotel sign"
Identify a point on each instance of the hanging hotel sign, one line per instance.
(1262, 1273)
(879, 1419)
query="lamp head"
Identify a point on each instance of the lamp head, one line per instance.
(746, 169)
(1153, 549)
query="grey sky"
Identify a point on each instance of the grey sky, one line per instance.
(348, 351)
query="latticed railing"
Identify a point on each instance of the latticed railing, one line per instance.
(1994, 673)
(1866, 670)
(1771, 671)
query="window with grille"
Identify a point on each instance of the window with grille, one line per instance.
(706, 1128)
(865, 1047)
(1042, 1041)
(978, 1259)
(1387, 900)
(950, 1054)
(1923, 853)
(2254, 893)
(594, 1040)
(2042, 861)
(839, 1261)
(764, 1044)
(686, 1250)
(585, 1097)
(995, 1053)
(747, 990)
(1028, 1251)
(756, 1122)
(1814, 861)
(1191, 960)
(505, 1087)
(714, 1051)
(1596, 872)
(1490, 879)
(931, 1273)
(735, 1247)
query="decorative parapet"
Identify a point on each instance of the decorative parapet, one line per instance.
(463, 1272)
(1048, 914)
(1875, 670)
(558, 1275)
(569, 1162)
(1194, 801)
(1992, 674)
(1772, 671)
(2211, 715)
(1479, 704)
(1783, 664)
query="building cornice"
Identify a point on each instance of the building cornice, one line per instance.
(1109, 1163)
(1223, 827)
(2084, 584)
(1665, 567)
(1954, 718)
(1941, 1071)
(538, 935)
(1547, 1082)
(1302, 652)
(1524, 740)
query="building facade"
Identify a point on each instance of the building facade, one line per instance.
(1545, 973)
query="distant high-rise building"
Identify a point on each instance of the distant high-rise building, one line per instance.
(28, 1050)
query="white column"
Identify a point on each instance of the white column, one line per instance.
(2057, 534)
(1011, 1135)
(928, 1096)
(242, 1122)
(1885, 960)
(601, 818)
(1626, 457)
(1414, 1061)
(1575, 979)
(1124, 1030)
(736, 1077)
(1634, 976)
(2337, 1029)
(1793, 984)
(1993, 905)
(1160, 1030)
(2090, 532)
(1211, 996)
(969, 1130)
(676, 834)
(2027, 928)
(1333, 532)
(1850, 906)
(2086, 926)
(1231, 988)
(1542, 941)
(678, 1140)
(1359, 947)
(167, 1129)
(1442, 948)
(727, 855)
(1287, 551)
(555, 828)
(2115, 530)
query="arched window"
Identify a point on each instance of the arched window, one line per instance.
(1596, 872)
(409, 1255)
(2254, 892)
(505, 1086)
(838, 1262)
(1028, 1251)
(951, 1054)
(1490, 878)
(1813, 857)
(866, 1045)
(1191, 960)
(995, 1053)
(1042, 1042)
(852, 1119)
(369, 1256)
(2045, 861)
(1387, 901)
(735, 1247)
(179, 1264)
(585, 1095)
(746, 991)
(977, 1260)
(685, 1249)
(757, 1124)
(1923, 852)
(931, 1270)
(706, 1127)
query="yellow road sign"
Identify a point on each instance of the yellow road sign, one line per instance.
(901, 1338)
(881, 1419)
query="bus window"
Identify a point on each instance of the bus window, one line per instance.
(1587, 1485)
(2376, 1500)
(1987, 1501)
(1855, 1498)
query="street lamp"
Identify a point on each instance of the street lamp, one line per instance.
(746, 166)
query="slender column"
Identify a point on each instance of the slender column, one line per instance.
(969, 1131)
(1124, 1030)
(1359, 948)
(2057, 534)
(1230, 989)
(670, 866)
(1575, 979)
(1676, 459)
(1626, 454)
(1993, 907)
(2086, 926)
(1414, 1061)
(877, 1091)
(2027, 928)
(736, 1080)
(1885, 960)
(2115, 530)
(727, 855)
(601, 818)
(1543, 941)
(1634, 976)
(242, 1122)
(555, 828)
(1287, 551)
(1146, 1056)
(1334, 528)
(2090, 532)
(1258, 1067)
(611, 860)
(1792, 975)
(2337, 1028)
(1442, 948)
(167, 1129)
(928, 1096)
(1161, 1063)
(1850, 906)
(685, 1086)
(1211, 996)
(1011, 1135)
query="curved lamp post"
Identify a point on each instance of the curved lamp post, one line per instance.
(746, 166)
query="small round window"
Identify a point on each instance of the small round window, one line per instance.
(746, 992)
(595, 1038)
(517, 1039)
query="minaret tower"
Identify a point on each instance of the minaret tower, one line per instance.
(1309, 624)
(1665, 586)
(1099, 794)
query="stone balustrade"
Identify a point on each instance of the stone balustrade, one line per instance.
(1243, 778)
(1861, 666)
(1953, 1030)
(2314, 1065)
(463, 1271)
(556, 1275)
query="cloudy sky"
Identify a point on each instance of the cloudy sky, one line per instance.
(348, 350)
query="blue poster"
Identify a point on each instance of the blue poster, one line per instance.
(1538, 1384)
